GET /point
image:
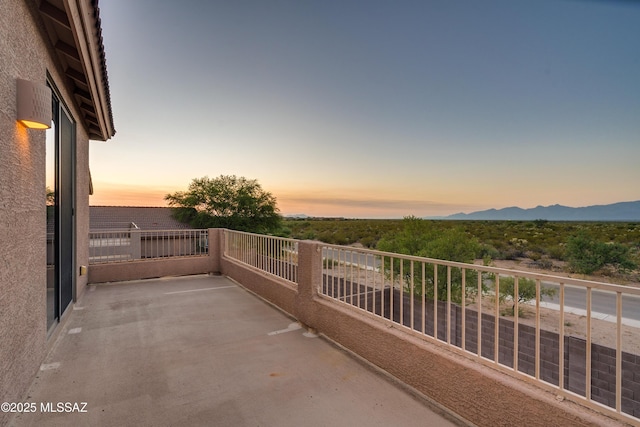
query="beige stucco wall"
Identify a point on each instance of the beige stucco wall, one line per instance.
(25, 53)
(276, 291)
(82, 208)
(151, 268)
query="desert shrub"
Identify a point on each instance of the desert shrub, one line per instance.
(283, 232)
(540, 223)
(420, 238)
(488, 251)
(309, 235)
(556, 252)
(512, 254)
(340, 238)
(326, 237)
(369, 241)
(526, 291)
(587, 255)
(534, 256)
(545, 263)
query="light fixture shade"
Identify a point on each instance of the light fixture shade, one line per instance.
(34, 104)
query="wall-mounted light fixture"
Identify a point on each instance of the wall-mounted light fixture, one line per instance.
(34, 104)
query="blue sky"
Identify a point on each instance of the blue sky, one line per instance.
(376, 108)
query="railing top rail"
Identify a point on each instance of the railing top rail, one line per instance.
(502, 271)
(174, 230)
(284, 239)
(111, 246)
(179, 231)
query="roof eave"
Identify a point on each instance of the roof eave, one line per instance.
(75, 32)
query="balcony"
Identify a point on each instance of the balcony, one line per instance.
(349, 337)
(201, 350)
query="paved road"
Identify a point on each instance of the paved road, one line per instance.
(601, 301)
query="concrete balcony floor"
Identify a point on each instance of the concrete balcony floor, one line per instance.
(201, 350)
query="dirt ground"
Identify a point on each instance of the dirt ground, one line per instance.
(602, 332)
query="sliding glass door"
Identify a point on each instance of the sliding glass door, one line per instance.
(60, 205)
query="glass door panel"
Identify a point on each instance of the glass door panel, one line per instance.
(51, 206)
(60, 206)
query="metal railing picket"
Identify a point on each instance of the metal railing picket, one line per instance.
(111, 246)
(273, 255)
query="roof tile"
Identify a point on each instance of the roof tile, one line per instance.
(121, 217)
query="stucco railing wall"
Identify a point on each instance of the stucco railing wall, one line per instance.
(150, 268)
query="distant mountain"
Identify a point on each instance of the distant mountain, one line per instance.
(624, 211)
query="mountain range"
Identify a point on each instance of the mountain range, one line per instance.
(623, 211)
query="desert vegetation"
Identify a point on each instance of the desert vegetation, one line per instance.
(588, 248)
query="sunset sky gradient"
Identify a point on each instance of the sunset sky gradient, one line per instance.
(374, 108)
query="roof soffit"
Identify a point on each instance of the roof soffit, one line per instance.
(74, 30)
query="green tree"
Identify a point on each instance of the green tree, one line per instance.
(51, 201)
(526, 291)
(51, 197)
(587, 255)
(229, 202)
(418, 237)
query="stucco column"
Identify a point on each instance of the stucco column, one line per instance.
(309, 279)
(135, 244)
(215, 248)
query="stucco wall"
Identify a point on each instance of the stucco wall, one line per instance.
(82, 208)
(278, 292)
(148, 269)
(25, 53)
(22, 213)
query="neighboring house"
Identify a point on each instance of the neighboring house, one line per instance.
(124, 233)
(52, 74)
(126, 217)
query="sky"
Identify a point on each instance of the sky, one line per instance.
(374, 109)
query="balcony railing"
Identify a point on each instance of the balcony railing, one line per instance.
(579, 339)
(559, 341)
(272, 255)
(128, 245)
